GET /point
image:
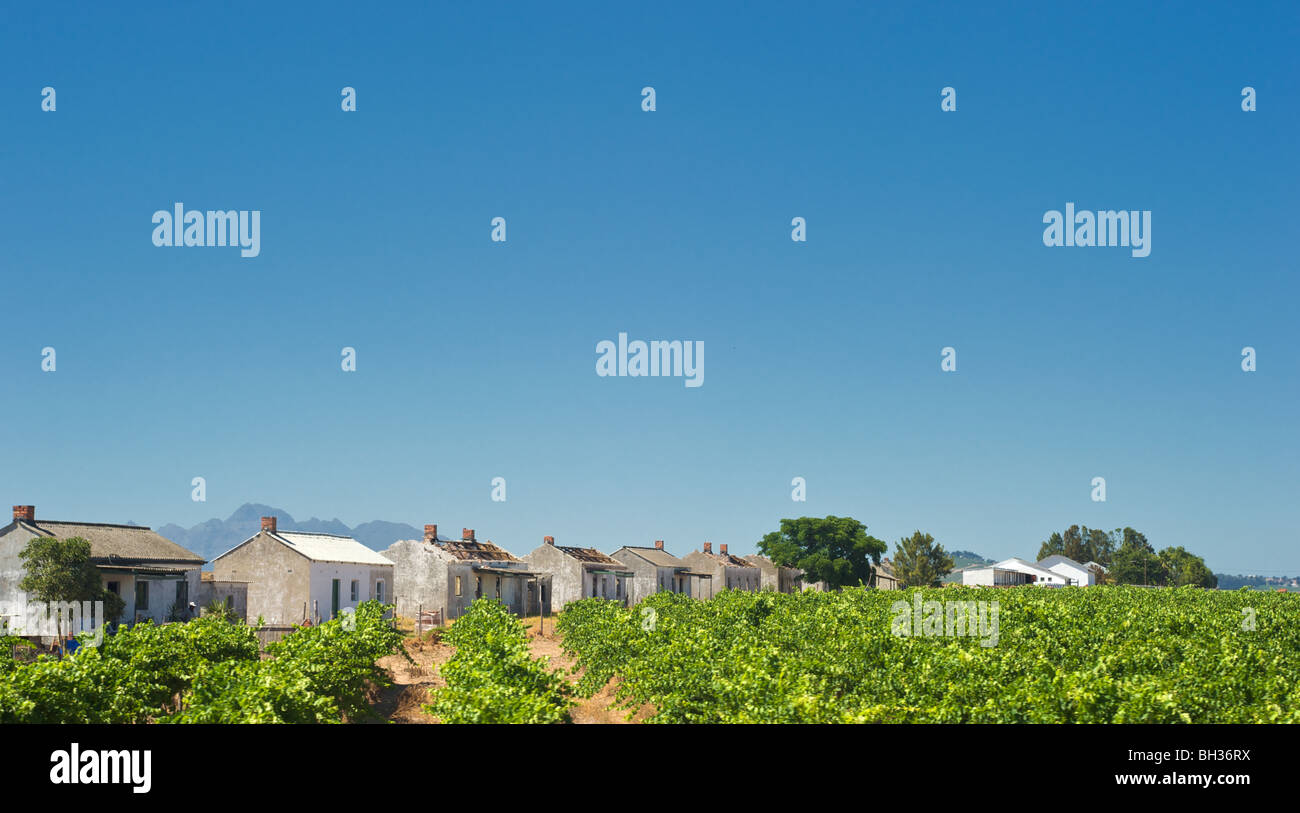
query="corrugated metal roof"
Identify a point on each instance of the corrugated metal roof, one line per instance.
(331, 548)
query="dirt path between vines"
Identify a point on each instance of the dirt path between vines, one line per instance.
(595, 709)
(402, 702)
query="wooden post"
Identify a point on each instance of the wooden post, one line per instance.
(419, 620)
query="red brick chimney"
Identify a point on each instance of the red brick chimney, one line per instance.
(467, 533)
(708, 547)
(268, 524)
(430, 533)
(549, 540)
(723, 548)
(27, 513)
(659, 544)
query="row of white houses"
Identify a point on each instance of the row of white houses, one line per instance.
(290, 577)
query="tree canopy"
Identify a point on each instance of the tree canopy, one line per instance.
(61, 570)
(919, 562)
(836, 550)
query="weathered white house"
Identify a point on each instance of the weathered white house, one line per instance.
(1074, 573)
(295, 577)
(777, 578)
(655, 570)
(728, 572)
(443, 575)
(578, 573)
(154, 576)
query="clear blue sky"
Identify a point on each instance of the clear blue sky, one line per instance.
(477, 359)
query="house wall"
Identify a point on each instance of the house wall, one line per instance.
(161, 595)
(568, 580)
(981, 577)
(279, 580)
(232, 594)
(420, 579)
(645, 576)
(323, 575)
(13, 540)
(1081, 576)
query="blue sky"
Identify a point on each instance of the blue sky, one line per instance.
(477, 359)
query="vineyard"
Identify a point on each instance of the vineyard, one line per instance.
(1094, 655)
(205, 671)
(492, 678)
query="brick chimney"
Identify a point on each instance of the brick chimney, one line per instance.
(549, 540)
(268, 524)
(430, 533)
(467, 533)
(659, 544)
(26, 513)
(708, 547)
(723, 548)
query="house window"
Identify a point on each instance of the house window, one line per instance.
(618, 589)
(379, 591)
(458, 585)
(182, 593)
(356, 588)
(115, 588)
(142, 595)
(478, 587)
(230, 602)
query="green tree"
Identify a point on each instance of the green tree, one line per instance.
(61, 570)
(1182, 568)
(1054, 546)
(919, 562)
(836, 550)
(1136, 561)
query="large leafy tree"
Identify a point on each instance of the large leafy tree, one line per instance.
(61, 570)
(919, 562)
(1182, 568)
(1082, 544)
(1136, 561)
(836, 550)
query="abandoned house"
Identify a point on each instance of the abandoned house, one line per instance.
(578, 573)
(154, 576)
(775, 577)
(294, 577)
(445, 576)
(729, 572)
(655, 570)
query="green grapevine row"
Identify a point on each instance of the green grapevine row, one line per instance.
(1098, 654)
(492, 678)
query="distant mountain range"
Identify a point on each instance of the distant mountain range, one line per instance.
(216, 536)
